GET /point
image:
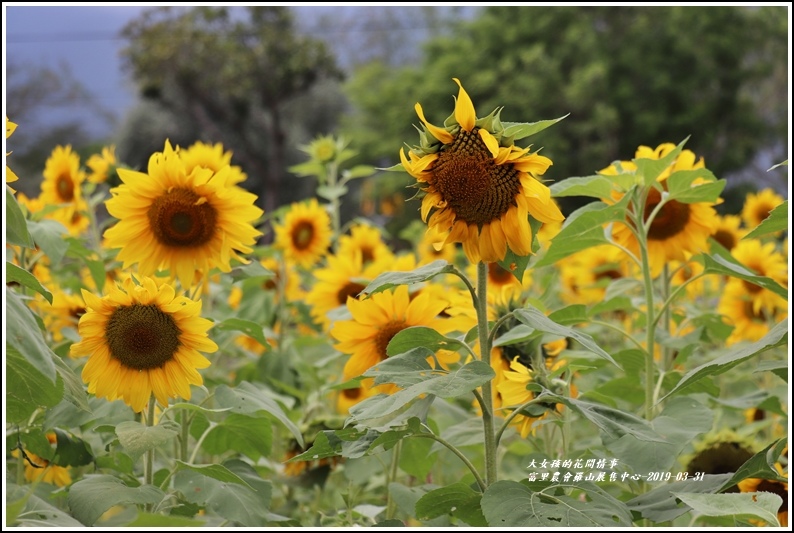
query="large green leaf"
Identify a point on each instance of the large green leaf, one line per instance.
(71, 450)
(25, 509)
(216, 471)
(762, 464)
(90, 497)
(49, 237)
(458, 499)
(247, 399)
(250, 328)
(509, 504)
(417, 336)
(535, 318)
(775, 222)
(681, 189)
(14, 274)
(597, 186)
(651, 169)
(522, 130)
(445, 385)
(73, 388)
(16, 226)
(27, 388)
(252, 436)
(723, 263)
(387, 280)
(583, 229)
(23, 333)
(163, 521)
(661, 505)
(416, 457)
(778, 336)
(762, 505)
(137, 438)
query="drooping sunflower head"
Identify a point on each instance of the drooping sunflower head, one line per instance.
(677, 227)
(480, 187)
(185, 222)
(758, 206)
(305, 234)
(724, 453)
(142, 340)
(10, 176)
(775, 487)
(212, 157)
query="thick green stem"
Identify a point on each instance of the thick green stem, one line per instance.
(148, 462)
(185, 434)
(667, 359)
(333, 171)
(485, 355)
(642, 236)
(451, 447)
(395, 463)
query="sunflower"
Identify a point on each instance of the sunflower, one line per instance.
(10, 176)
(62, 181)
(344, 275)
(180, 221)
(305, 234)
(65, 312)
(40, 469)
(677, 228)
(586, 274)
(723, 454)
(502, 283)
(700, 288)
(750, 322)
(143, 340)
(758, 206)
(347, 398)
(101, 164)
(480, 191)
(376, 321)
(212, 157)
(775, 487)
(367, 240)
(763, 260)
(728, 233)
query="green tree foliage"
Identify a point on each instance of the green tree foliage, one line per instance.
(628, 76)
(228, 75)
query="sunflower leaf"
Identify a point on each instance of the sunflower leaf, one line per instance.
(773, 167)
(534, 318)
(387, 280)
(776, 337)
(215, 471)
(723, 263)
(27, 388)
(650, 169)
(680, 186)
(762, 465)
(161, 521)
(250, 328)
(73, 388)
(49, 236)
(71, 450)
(775, 222)
(90, 497)
(254, 269)
(779, 368)
(248, 435)
(137, 438)
(14, 274)
(16, 226)
(762, 505)
(508, 504)
(416, 336)
(522, 130)
(25, 509)
(596, 186)
(661, 505)
(23, 333)
(458, 499)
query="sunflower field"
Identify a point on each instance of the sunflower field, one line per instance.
(176, 357)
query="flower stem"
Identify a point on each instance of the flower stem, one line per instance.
(148, 462)
(650, 321)
(395, 463)
(451, 447)
(485, 354)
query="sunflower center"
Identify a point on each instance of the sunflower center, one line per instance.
(725, 238)
(386, 334)
(750, 313)
(351, 288)
(498, 275)
(671, 219)
(65, 187)
(752, 287)
(302, 234)
(775, 487)
(142, 336)
(762, 212)
(180, 218)
(471, 183)
(352, 394)
(608, 274)
(367, 254)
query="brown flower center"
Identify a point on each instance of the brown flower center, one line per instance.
(762, 212)
(498, 275)
(725, 238)
(669, 221)
(750, 313)
(610, 273)
(352, 394)
(367, 254)
(386, 334)
(142, 336)
(473, 186)
(180, 218)
(65, 187)
(775, 487)
(302, 235)
(351, 288)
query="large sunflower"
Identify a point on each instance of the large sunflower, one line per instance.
(750, 321)
(143, 340)
(480, 186)
(305, 234)
(678, 228)
(10, 176)
(180, 221)
(376, 321)
(62, 181)
(758, 206)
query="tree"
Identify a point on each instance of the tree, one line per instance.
(229, 75)
(627, 75)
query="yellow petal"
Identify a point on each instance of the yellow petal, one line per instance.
(439, 133)
(490, 141)
(464, 109)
